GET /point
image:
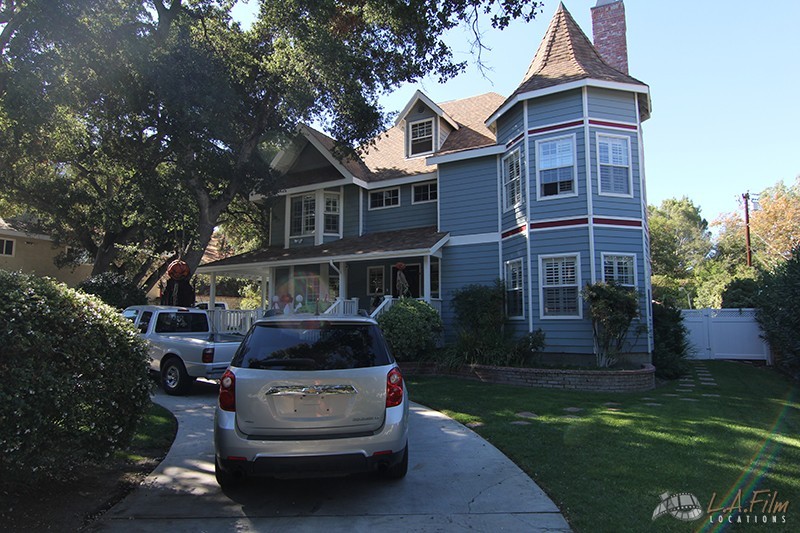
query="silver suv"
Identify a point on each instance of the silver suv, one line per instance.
(311, 394)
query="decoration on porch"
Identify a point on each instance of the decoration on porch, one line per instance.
(178, 290)
(403, 290)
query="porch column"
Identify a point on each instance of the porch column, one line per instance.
(212, 291)
(426, 278)
(324, 283)
(265, 282)
(271, 286)
(343, 280)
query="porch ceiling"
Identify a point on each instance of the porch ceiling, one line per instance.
(380, 245)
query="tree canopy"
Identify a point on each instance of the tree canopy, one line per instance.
(128, 128)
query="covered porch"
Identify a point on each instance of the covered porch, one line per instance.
(349, 276)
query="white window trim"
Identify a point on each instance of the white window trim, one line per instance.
(13, 247)
(539, 197)
(425, 184)
(514, 153)
(289, 216)
(369, 199)
(340, 213)
(382, 269)
(620, 254)
(521, 289)
(409, 155)
(578, 280)
(630, 165)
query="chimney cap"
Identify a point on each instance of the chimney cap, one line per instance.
(605, 2)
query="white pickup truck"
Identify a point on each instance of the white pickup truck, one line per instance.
(182, 345)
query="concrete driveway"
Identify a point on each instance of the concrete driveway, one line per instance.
(456, 481)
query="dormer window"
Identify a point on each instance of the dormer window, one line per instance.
(420, 137)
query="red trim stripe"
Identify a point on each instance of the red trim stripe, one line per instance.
(617, 222)
(556, 127)
(559, 223)
(514, 231)
(515, 139)
(613, 124)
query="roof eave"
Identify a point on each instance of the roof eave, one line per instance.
(419, 95)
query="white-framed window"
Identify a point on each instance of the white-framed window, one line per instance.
(559, 277)
(376, 280)
(555, 168)
(303, 215)
(613, 159)
(515, 307)
(436, 281)
(512, 180)
(619, 268)
(7, 247)
(385, 198)
(332, 213)
(420, 137)
(424, 192)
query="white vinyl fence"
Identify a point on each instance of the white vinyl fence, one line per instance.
(725, 334)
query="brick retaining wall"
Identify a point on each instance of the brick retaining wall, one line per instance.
(642, 379)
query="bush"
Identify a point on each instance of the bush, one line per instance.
(114, 289)
(75, 379)
(778, 313)
(612, 309)
(670, 343)
(411, 328)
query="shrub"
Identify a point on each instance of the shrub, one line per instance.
(74, 382)
(411, 328)
(527, 350)
(612, 309)
(480, 315)
(114, 289)
(670, 342)
(778, 313)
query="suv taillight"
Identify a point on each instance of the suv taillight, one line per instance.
(394, 388)
(227, 391)
(208, 355)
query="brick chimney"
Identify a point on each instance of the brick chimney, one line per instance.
(608, 29)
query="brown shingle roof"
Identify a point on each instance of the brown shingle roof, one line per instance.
(566, 55)
(387, 242)
(470, 113)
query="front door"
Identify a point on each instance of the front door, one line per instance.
(413, 274)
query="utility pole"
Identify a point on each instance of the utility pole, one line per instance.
(746, 198)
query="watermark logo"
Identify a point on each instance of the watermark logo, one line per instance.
(681, 505)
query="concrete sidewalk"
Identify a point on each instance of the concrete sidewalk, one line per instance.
(456, 481)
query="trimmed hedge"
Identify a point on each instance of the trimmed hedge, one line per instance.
(75, 380)
(114, 289)
(411, 328)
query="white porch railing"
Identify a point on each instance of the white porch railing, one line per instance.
(343, 307)
(233, 320)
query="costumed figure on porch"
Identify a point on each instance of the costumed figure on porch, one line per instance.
(403, 290)
(178, 291)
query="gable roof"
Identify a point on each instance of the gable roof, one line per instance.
(419, 95)
(566, 55)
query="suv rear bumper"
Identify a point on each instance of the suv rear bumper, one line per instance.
(238, 454)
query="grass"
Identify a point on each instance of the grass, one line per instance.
(607, 468)
(155, 432)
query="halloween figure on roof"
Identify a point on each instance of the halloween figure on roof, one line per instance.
(178, 291)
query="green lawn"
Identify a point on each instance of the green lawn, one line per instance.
(154, 434)
(606, 468)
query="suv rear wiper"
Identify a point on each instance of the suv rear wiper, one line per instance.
(291, 363)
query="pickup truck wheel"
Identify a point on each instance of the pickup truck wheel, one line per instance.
(174, 378)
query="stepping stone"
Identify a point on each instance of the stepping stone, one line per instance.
(573, 409)
(689, 399)
(473, 425)
(684, 390)
(614, 409)
(571, 416)
(672, 395)
(711, 395)
(653, 404)
(527, 414)
(648, 398)
(520, 423)
(709, 383)
(612, 404)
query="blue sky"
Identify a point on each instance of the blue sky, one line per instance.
(724, 80)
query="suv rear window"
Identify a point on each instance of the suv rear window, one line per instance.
(312, 345)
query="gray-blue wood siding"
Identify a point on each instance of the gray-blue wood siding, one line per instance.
(468, 196)
(516, 247)
(462, 266)
(277, 222)
(562, 335)
(510, 125)
(406, 215)
(615, 206)
(609, 104)
(350, 206)
(555, 108)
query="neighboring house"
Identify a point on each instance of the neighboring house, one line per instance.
(34, 253)
(543, 189)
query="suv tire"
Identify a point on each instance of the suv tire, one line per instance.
(399, 470)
